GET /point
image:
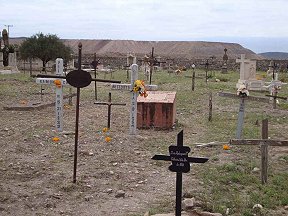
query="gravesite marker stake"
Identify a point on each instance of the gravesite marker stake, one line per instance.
(264, 143)
(180, 163)
(193, 79)
(210, 107)
(109, 104)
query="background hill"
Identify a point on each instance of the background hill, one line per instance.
(168, 49)
(275, 55)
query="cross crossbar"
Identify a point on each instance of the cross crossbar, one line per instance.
(259, 141)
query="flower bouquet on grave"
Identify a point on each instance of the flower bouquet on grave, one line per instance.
(139, 87)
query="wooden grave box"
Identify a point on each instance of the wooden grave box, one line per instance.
(158, 110)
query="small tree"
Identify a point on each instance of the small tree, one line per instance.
(45, 47)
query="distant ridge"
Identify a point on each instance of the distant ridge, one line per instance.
(168, 49)
(275, 55)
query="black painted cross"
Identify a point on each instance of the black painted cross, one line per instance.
(109, 104)
(180, 163)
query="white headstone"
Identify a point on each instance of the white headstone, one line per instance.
(248, 74)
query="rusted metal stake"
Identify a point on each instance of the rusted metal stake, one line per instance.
(95, 75)
(77, 119)
(193, 80)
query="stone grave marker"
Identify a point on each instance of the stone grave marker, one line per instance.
(248, 75)
(178, 155)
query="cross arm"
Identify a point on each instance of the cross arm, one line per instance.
(190, 159)
(231, 95)
(284, 98)
(259, 141)
(64, 77)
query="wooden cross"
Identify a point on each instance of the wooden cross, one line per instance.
(178, 155)
(242, 108)
(152, 61)
(129, 87)
(207, 64)
(59, 92)
(109, 104)
(264, 143)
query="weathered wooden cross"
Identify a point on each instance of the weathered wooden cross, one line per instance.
(109, 104)
(152, 61)
(129, 87)
(207, 64)
(264, 143)
(242, 98)
(178, 155)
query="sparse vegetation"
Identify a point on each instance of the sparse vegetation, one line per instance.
(226, 181)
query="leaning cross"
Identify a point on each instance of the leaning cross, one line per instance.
(264, 143)
(180, 163)
(242, 98)
(109, 104)
(133, 113)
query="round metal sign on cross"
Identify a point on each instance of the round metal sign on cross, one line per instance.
(79, 78)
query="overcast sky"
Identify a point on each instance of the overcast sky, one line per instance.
(260, 25)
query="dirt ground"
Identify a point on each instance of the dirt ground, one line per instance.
(36, 173)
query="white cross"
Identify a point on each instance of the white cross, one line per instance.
(59, 93)
(133, 113)
(242, 62)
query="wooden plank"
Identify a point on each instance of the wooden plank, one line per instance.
(235, 96)
(259, 141)
(264, 152)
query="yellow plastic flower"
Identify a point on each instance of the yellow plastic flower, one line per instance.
(226, 147)
(105, 129)
(107, 139)
(138, 83)
(58, 83)
(56, 139)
